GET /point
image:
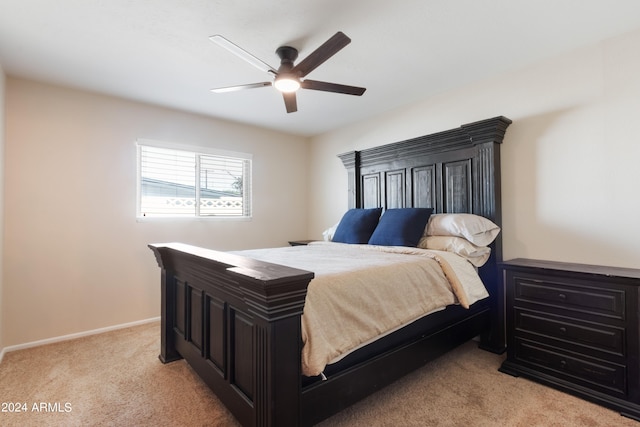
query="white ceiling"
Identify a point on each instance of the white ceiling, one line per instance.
(158, 51)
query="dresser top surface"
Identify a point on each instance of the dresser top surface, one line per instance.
(632, 273)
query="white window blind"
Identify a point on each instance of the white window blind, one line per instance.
(185, 183)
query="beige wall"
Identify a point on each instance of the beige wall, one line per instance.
(75, 257)
(2, 97)
(569, 161)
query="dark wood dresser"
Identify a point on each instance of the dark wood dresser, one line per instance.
(575, 327)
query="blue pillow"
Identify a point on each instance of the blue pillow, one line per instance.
(357, 225)
(401, 227)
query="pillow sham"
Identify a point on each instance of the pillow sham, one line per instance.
(476, 255)
(327, 235)
(401, 227)
(357, 225)
(476, 229)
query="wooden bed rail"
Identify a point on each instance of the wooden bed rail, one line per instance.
(237, 322)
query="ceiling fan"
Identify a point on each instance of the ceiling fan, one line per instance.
(288, 78)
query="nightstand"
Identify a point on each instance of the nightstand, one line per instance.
(300, 242)
(575, 327)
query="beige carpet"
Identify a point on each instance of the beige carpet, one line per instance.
(116, 379)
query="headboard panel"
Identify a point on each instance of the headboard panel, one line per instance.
(455, 171)
(452, 171)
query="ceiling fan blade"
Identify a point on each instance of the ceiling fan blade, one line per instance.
(321, 54)
(290, 101)
(332, 87)
(241, 53)
(240, 87)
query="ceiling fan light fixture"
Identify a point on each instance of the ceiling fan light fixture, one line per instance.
(290, 77)
(287, 83)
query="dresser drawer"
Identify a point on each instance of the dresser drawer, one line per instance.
(593, 335)
(596, 374)
(570, 296)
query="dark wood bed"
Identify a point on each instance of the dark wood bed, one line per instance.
(236, 320)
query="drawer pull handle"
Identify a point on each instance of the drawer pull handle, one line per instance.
(562, 296)
(563, 364)
(563, 329)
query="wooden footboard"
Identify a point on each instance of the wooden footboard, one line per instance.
(237, 322)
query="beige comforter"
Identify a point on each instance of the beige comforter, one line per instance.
(362, 292)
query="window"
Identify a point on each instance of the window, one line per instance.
(192, 182)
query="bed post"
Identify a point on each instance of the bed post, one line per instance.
(351, 162)
(487, 135)
(168, 352)
(276, 319)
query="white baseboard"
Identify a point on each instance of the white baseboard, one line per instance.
(74, 336)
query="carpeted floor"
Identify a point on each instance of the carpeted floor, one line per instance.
(116, 379)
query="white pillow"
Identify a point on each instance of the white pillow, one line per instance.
(327, 234)
(476, 255)
(476, 229)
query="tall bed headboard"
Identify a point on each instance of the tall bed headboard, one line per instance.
(454, 171)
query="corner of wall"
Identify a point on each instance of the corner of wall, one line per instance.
(2, 137)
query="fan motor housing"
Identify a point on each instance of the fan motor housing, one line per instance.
(287, 54)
